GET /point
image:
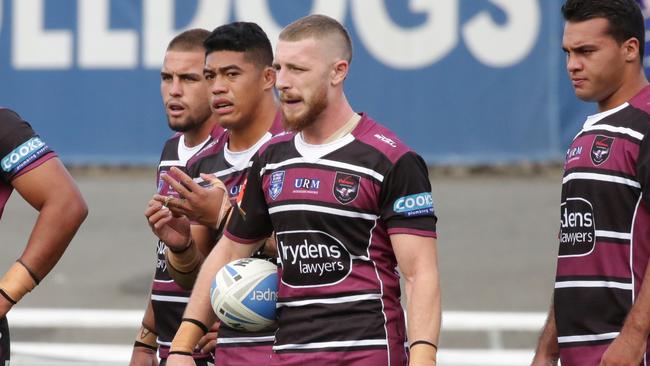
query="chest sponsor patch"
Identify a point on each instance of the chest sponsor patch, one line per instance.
(600, 150)
(275, 186)
(419, 204)
(346, 187)
(24, 154)
(312, 258)
(577, 228)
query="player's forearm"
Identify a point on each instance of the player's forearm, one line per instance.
(637, 323)
(423, 306)
(548, 351)
(59, 219)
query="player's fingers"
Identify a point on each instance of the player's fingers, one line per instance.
(151, 210)
(180, 211)
(209, 347)
(157, 216)
(214, 181)
(176, 185)
(185, 180)
(163, 221)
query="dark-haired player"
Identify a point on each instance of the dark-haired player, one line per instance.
(185, 94)
(601, 303)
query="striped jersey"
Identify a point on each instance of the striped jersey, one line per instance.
(21, 150)
(167, 298)
(235, 347)
(333, 208)
(604, 229)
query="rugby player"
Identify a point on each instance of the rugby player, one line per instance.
(239, 67)
(348, 203)
(30, 167)
(601, 303)
(185, 94)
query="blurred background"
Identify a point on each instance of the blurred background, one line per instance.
(477, 87)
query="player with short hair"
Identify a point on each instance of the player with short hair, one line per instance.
(348, 203)
(28, 165)
(601, 300)
(185, 94)
(239, 67)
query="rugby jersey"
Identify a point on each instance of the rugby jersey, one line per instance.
(235, 347)
(167, 298)
(21, 150)
(333, 207)
(604, 229)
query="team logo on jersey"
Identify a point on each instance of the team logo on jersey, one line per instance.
(24, 154)
(601, 148)
(346, 187)
(420, 204)
(312, 258)
(577, 228)
(277, 180)
(306, 185)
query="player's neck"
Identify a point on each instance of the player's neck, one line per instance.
(197, 136)
(243, 139)
(626, 92)
(331, 120)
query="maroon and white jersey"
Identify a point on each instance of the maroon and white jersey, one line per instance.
(235, 347)
(167, 298)
(21, 150)
(605, 230)
(333, 208)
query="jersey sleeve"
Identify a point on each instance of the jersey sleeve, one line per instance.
(252, 222)
(21, 149)
(643, 169)
(406, 200)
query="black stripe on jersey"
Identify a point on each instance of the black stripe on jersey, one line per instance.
(594, 170)
(185, 294)
(590, 310)
(608, 240)
(350, 321)
(592, 278)
(324, 167)
(617, 135)
(331, 296)
(613, 203)
(629, 117)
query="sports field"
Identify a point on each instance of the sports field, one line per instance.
(497, 241)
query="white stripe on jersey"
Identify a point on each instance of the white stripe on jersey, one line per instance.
(587, 338)
(222, 173)
(245, 339)
(170, 298)
(331, 300)
(329, 210)
(601, 177)
(603, 284)
(171, 163)
(613, 234)
(163, 281)
(326, 162)
(335, 344)
(168, 344)
(622, 130)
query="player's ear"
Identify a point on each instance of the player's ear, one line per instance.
(269, 76)
(631, 49)
(339, 72)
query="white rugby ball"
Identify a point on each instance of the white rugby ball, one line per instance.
(244, 293)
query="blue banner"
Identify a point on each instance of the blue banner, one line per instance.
(461, 81)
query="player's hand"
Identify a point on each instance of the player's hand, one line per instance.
(423, 355)
(142, 356)
(173, 231)
(208, 342)
(270, 247)
(205, 205)
(626, 350)
(180, 360)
